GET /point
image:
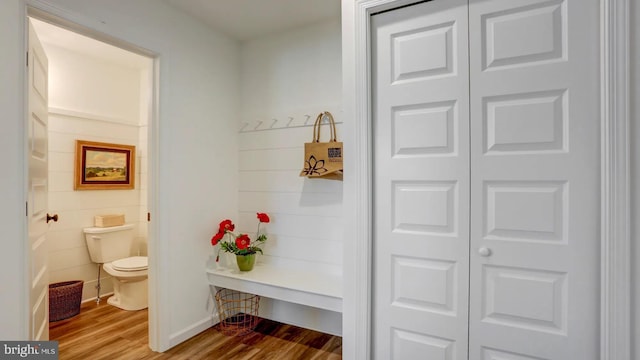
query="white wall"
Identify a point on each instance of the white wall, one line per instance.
(90, 85)
(13, 275)
(635, 175)
(352, 328)
(284, 77)
(195, 181)
(292, 73)
(95, 100)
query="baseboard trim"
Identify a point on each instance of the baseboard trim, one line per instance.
(191, 331)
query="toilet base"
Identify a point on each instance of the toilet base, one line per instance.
(129, 295)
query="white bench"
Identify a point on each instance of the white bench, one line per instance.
(304, 287)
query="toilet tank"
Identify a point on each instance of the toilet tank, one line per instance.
(107, 244)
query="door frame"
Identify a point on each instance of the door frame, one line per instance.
(615, 281)
(158, 335)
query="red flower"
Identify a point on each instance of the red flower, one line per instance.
(263, 218)
(226, 225)
(242, 241)
(217, 237)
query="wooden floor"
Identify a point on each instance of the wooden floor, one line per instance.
(106, 332)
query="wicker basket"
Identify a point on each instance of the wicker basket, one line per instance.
(237, 311)
(64, 299)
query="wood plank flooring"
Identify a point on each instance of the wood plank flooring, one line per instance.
(106, 332)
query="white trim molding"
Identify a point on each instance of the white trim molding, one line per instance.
(615, 331)
(187, 333)
(615, 172)
(93, 117)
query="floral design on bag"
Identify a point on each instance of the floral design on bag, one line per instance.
(314, 166)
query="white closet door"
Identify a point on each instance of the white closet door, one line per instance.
(421, 182)
(534, 179)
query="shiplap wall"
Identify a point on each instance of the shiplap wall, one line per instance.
(287, 79)
(306, 213)
(68, 255)
(112, 113)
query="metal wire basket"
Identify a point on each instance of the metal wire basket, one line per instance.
(237, 311)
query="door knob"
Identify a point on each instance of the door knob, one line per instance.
(53, 217)
(483, 251)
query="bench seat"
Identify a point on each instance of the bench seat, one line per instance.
(298, 286)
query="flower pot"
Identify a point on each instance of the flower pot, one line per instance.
(245, 262)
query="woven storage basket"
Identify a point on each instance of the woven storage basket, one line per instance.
(64, 299)
(237, 311)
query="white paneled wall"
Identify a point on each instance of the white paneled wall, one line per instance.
(68, 256)
(306, 213)
(91, 99)
(287, 79)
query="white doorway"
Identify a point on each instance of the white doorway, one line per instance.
(486, 180)
(97, 92)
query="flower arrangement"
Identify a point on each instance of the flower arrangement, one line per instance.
(239, 244)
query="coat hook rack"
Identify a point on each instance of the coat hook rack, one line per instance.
(283, 121)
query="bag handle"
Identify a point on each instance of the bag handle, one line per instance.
(318, 124)
(316, 128)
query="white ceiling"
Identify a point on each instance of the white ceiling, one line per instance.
(56, 36)
(240, 19)
(248, 19)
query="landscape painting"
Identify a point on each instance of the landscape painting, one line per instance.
(104, 166)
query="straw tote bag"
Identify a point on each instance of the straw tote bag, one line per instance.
(323, 160)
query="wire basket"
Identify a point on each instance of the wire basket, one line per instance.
(238, 312)
(64, 299)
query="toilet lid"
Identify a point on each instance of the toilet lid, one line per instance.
(133, 263)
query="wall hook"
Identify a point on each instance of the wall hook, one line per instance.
(273, 123)
(244, 126)
(290, 120)
(307, 120)
(257, 126)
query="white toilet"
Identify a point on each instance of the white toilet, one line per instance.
(111, 246)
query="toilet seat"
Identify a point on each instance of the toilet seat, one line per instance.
(134, 263)
(128, 275)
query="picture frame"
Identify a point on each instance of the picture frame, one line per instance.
(104, 166)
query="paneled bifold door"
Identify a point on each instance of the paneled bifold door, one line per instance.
(486, 180)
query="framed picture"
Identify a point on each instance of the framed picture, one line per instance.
(104, 166)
